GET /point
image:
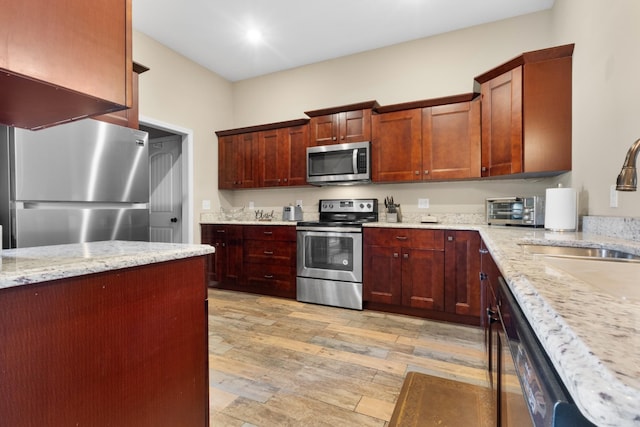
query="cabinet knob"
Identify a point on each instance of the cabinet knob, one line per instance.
(285, 180)
(395, 255)
(342, 137)
(417, 172)
(334, 138)
(483, 168)
(450, 238)
(426, 172)
(405, 256)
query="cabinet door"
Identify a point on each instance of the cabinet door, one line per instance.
(274, 158)
(231, 263)
(382, 275)
(451, 141)
(502, 124)
(397, 146)
(229, 163)
(423, 278)
(354, 126)
(238, 161)
(463, 294)
(324, 130)
(296, 140)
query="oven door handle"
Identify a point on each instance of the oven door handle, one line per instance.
(330, 229)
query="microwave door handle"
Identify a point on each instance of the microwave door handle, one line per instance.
(355, 160)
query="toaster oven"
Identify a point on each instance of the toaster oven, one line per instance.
(523, 211)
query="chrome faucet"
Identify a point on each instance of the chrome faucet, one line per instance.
(628, 179)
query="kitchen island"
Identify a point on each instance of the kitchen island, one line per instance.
(104, 333)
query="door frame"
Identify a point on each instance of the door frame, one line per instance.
(187, 171)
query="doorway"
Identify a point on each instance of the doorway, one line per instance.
(170, 182)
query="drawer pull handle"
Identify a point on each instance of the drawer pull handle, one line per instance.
(268, 233)
(268, 252)
(401, 237)
(268, 276)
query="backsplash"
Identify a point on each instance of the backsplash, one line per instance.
(627, 228)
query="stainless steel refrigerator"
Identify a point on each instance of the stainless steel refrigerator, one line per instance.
(77, 182)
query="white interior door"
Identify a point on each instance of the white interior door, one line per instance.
(165, 200)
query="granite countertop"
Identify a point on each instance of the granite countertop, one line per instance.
(591, 336)
(32, 265)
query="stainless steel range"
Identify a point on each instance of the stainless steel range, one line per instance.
(329, 258)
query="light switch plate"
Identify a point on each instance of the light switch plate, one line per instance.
(206, 204)
(423, 203)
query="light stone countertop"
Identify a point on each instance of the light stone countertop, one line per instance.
(591, 337)
(25, 266)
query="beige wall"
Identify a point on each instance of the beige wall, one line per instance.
(606, 89)
(605, 86)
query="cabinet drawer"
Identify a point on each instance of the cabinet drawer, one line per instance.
(274, 277)
(270, 252)
(404, 237)
(270, 232)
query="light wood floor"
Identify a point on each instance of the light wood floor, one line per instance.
(279, 362)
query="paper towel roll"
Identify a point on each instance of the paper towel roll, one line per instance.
(560, 213)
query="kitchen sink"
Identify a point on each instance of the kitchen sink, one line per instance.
(613, 272)
(580, 252)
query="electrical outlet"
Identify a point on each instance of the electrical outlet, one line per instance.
(299, 202)
(423, 203)
(251, 205)
(206, 205)
(613, 197)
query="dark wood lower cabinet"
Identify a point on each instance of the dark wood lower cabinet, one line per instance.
(427, 273)
(252, 258)
(120, 348)
(420, 272)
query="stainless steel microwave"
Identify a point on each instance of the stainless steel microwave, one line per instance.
(337, 164)
(526, 211)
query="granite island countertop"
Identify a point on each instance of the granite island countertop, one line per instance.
(25, 266)
(591, 336)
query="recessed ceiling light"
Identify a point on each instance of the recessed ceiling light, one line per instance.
(254, 36)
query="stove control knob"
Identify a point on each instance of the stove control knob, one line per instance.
(361, 205)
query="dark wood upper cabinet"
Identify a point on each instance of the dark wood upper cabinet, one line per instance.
(237, 155)
(283, 156)
(434, 139)
(397, 146)
(338, 125)
(271, 155)
(526, 114)
(64, 61)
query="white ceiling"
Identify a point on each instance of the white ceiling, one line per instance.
(299, 32)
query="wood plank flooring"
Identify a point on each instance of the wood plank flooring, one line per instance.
(279, 362)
